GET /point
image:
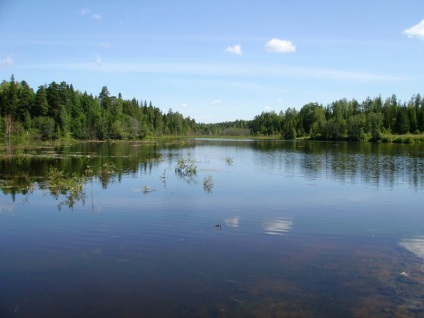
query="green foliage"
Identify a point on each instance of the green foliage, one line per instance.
(402, 124)
(356, 126)
(290, 134)
(312, 117)
(45, 126)
(374, 123)
(70, 186)
(57, 110)
(108, 168)
(334, 129)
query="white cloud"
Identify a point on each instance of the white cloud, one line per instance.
(235, 49)
(268, 108)
(184, 105)
(105, 45)
(417, 31)
(96, 16)
(216, 102)
(280, 46)
(98, 60)
(279, 101)
(8, 60)
(85, 11)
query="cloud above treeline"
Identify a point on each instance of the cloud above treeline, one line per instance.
(280, 46)
(95, 16)
(98, 60)
(216, 102)
(8, 60)
(274, 46)
(235, 49)
(417, 31)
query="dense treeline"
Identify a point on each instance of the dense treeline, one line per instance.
(57, 110)
(345, 119)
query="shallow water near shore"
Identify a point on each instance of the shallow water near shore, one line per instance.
(282, 229)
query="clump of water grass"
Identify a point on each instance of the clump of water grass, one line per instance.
(107, 169)
(229, 160)
(147, 189)
(59, 183)
(155, 158)
(186, 167)
(24, 180)
(208, 184)
(106, 172)
(21, 182)
(88, 172)
(69, 186)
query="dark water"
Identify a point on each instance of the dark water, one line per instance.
(263, 229)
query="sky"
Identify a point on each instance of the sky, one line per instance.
(218, 60)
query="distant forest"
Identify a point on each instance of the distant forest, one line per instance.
(58, 111)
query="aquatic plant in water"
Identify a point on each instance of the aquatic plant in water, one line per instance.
(21, 183)
(163, 178)
(147, 189)
(69, 186)
(107, 169)
(229, 160)
(186, 167)
(208, 184)
(105, 173)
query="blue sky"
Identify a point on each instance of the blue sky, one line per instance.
(218, 60)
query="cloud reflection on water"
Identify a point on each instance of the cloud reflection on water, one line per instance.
(277, 226)
(414, 245)
(233, 222)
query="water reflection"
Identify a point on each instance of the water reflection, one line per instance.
(377, 164)
(232, 222)
(277, 226)
(6, 208)
(414, 245)
(228, 273)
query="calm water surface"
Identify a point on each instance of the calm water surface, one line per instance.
(263, 229)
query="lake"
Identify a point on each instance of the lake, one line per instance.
(213, 228)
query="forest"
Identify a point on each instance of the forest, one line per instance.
(59, 111)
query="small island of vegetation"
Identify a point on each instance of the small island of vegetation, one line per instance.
(57, 111)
